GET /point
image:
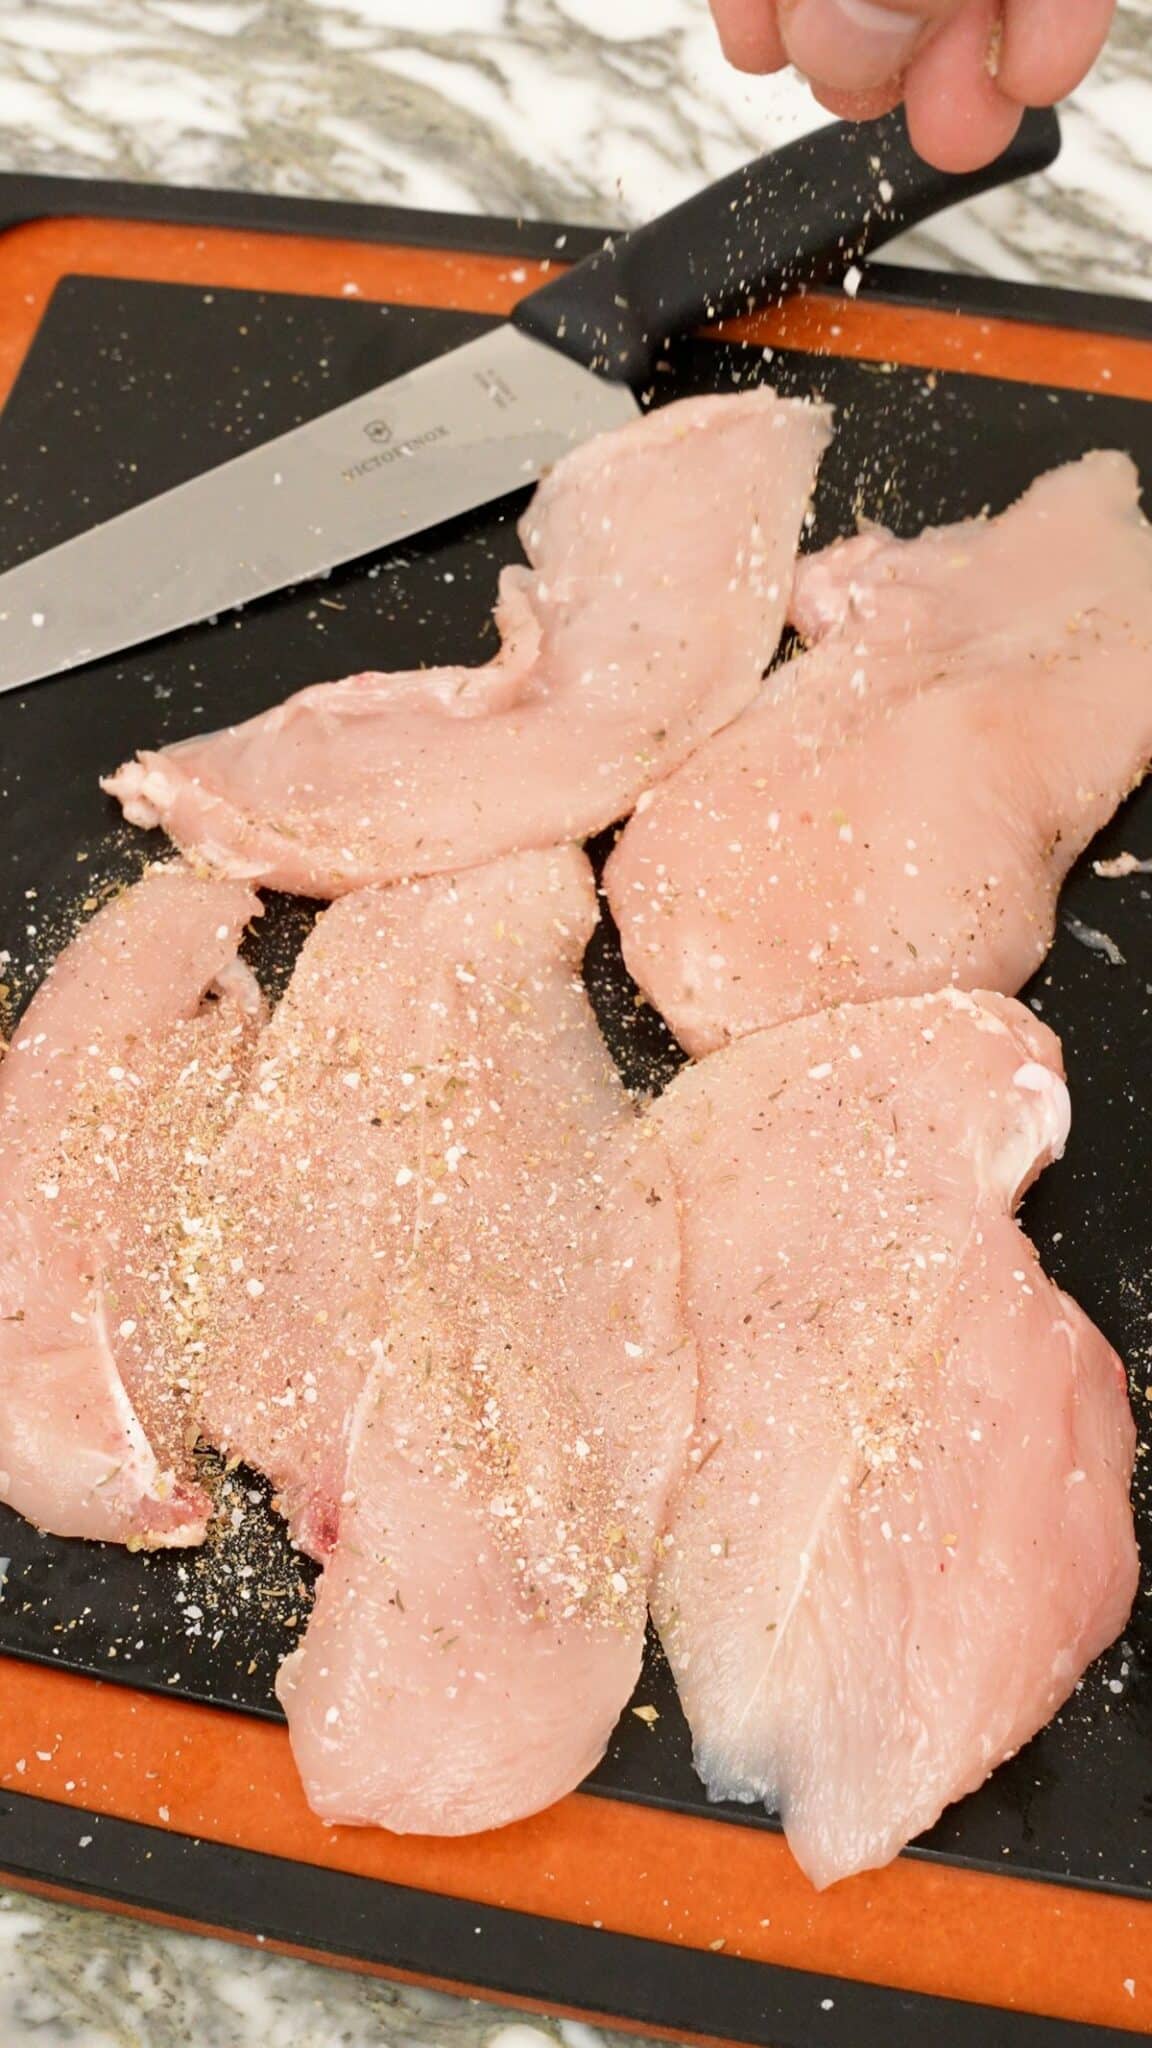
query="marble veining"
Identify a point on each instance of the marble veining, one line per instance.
(572, 109)
(602, 111)
(70, 1978)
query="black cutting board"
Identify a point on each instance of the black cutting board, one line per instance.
(129, 388)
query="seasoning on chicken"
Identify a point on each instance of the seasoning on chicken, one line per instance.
(444, 1311)
(905, 1528)
(119, 1080)
(898, 810)
(662, 562)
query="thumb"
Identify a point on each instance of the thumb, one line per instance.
(855, 45)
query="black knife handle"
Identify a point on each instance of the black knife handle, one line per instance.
(801, 216)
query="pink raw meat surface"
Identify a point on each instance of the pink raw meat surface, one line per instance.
(899, 808)
(119, 1080)
(905, 1528)
(662, 562)
(443, 1294)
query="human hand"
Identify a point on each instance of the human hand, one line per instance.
(965, 69)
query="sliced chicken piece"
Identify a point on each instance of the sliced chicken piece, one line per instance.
(453, 1338)
(898, 810)
(121, 1075)
(662, 561)
(404, 1003)
(905, 1529)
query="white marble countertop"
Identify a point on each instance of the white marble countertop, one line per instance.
(579, 110)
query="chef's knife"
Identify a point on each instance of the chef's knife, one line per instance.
(490, 416)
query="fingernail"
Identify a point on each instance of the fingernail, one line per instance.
(850, 45)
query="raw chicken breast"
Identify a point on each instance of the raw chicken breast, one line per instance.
(119, 1078)
(900, 807)
(905, 1529)
(662, 557)
(455, 1311)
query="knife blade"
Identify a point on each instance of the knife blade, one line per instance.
(459, 431)
(485, 418)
